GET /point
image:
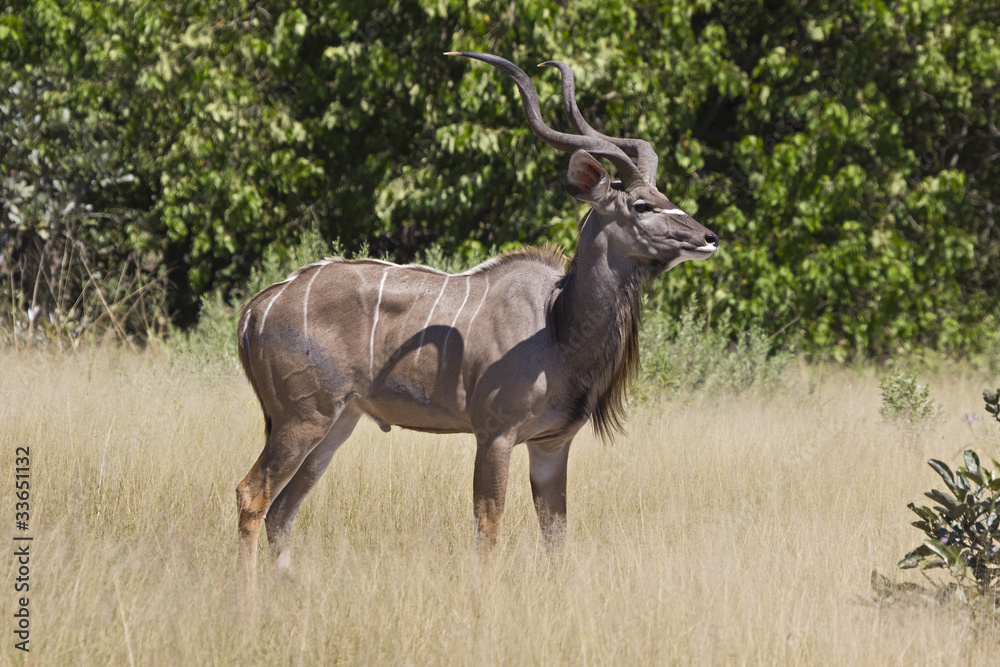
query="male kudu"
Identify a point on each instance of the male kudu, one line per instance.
(520, 349)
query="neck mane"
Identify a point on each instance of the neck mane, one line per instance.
(596, 318)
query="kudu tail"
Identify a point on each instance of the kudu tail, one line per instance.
(243, 335)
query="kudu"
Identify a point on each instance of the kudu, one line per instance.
(520, 349)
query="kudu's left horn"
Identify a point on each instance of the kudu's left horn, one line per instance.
(595, 145)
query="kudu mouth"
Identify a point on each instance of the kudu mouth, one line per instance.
(704, 251)
(661, 225)
(709, 245)
(675, 251)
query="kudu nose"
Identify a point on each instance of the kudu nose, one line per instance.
(711, 239)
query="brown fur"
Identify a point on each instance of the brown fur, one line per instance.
(613, 376)
(622, 358)
(609, 414)
(547, 254)
(556, 344)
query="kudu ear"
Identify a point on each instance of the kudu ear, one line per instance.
(586, 179)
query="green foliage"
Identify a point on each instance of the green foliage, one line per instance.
(77, 304)
(213, 339)
(681, 355)
(986, 356)
(904, 400)
(135, 130)
(435, 257)
(845, 152)
(963, 528)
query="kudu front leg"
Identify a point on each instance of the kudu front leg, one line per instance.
(489, 490)
(548, 467)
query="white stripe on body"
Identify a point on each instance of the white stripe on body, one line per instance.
(246, 323)
(423, 333)
(488, 264)
(481, 302)
(270, 303)
(444, 348)
(479, 268)
(371, 343)
(305, 301)
(246, 342)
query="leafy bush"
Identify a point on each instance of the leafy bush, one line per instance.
(904, 400)
(437, 258)
(131, 130)
(853, 189)
(963, 529)
(72, 302)
(684, 354)
(213, 339)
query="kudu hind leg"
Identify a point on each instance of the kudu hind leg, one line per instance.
(280, 516)
(288, 444)
(548, 470)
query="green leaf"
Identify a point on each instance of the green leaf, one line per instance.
(974, 476)
(948, 502)
(958, 512)
(941, 550)
(942, 469)
(924, 512)
(971, 461)
(921, 550)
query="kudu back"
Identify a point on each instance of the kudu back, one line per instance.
(523, 348)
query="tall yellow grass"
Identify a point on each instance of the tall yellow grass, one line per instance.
(717, 531)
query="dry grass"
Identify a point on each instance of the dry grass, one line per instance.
(734, 532)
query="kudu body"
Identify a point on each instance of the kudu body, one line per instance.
(520, 349)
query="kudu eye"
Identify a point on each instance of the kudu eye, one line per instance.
(642, 207)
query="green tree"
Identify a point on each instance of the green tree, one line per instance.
(845, 152)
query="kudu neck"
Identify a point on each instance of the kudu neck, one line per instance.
(597, 312)
(603, 277)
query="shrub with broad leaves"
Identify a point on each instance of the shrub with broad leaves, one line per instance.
(962, 528)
